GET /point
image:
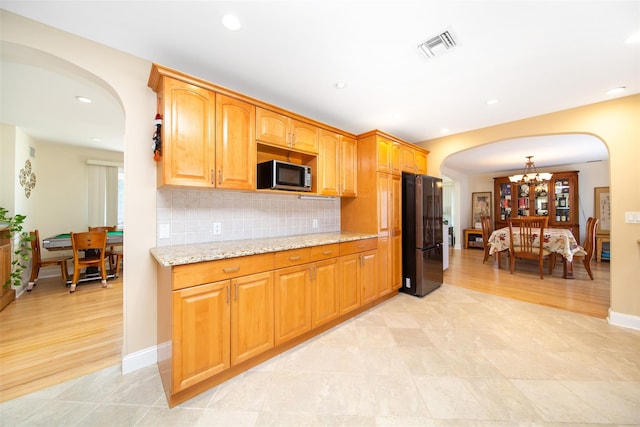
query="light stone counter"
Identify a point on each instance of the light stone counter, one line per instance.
(198, 252)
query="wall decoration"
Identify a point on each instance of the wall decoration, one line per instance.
(602, 209)
(27, 178)
(480, 206)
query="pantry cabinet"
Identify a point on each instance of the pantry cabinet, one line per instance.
(557, 199)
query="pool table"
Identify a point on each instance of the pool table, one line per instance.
(63, 241)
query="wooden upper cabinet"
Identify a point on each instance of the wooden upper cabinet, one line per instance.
(329, 164)
(235, 144)
(408, 159)
(384, 162)
(280, 130)
(188, 148)
(337, 165)
(348, 167)
(421, 162)
(396, 163)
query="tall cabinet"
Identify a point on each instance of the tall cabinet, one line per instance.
(557, 199)
(377, 209)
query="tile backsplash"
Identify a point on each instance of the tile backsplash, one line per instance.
(189, 216)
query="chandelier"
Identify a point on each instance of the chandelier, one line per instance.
(530, 174)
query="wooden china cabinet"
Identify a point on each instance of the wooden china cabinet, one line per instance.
(557, 199)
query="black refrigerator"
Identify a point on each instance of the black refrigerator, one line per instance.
(422, 236)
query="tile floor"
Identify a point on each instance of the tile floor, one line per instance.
(454, 358)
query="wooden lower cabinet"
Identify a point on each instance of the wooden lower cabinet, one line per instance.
(213, 326)
(201, 333)
(220, 324)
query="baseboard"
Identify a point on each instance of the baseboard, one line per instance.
(624, 320)
(139, 359)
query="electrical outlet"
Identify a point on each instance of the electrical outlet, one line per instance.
(217, 228)
(315, 223)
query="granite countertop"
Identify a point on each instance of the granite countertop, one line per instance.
(198, 252)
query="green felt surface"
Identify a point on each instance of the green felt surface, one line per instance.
(68, 236)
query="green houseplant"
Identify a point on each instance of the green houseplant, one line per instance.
(21, 253)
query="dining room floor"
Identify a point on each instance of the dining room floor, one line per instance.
(456, 357)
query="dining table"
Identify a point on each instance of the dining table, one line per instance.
(555, 240)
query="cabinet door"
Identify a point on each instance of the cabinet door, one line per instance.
(328, 161)
(384, 155)
(252, 330)
(304, 137)
(350, 282)
(384, 201)
(201, 333)
(564, 210)
(503, 204)
(396, 159)
(188, 148)
(369, 274)
(396, 233)
(348, 167)
(325, 296)
(408, 159)
(272, 128)
(235, 144)
(421, 162)
(383, 284)
(292, 302)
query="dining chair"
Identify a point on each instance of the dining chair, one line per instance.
(92, 245)
(114, 256)
(487, 229)
(37, 262)
(589, 245)
(525, 231)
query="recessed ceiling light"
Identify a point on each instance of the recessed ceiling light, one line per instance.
(492, 101)
(444, 131)
(231, 22)
(341, 85)
(616, 90)
(83, 99)
(96, 139)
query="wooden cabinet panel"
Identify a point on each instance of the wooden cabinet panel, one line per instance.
(421, 162)
(395, 259)
(235, 144)
(305, 137)
(210, 271)
(292, 302)
(278, 129)
(188, 147)
(325, 295)
(328, 164)
(383, 155)
(272, 127)
(408, 159)
(348, 167)
(350, 282)
(384, 203)
(369, 274)
(396, 162)
(252, 328)
(292, 257)
(319, 253)
(201, 333)
(355, 246)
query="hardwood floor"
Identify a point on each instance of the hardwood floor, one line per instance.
(49, 336)
(579, 295)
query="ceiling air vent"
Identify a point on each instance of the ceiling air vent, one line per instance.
(437, 45)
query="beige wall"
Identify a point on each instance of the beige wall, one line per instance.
(127, 76)
(616, 123)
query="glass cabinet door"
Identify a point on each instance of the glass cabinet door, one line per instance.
(541, 200)
(505, 200)
(562, 199)
(523, 199)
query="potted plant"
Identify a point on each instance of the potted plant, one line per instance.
(21, 252)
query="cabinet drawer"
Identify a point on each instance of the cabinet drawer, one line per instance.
(213, 271)
(355, 246)
(318, 253)
(292, 257)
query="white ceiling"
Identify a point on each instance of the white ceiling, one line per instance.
(535, 57)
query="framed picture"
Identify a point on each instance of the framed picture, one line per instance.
(602, 209)
(480, 206)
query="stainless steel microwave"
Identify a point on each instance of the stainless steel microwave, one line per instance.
(279, 175)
